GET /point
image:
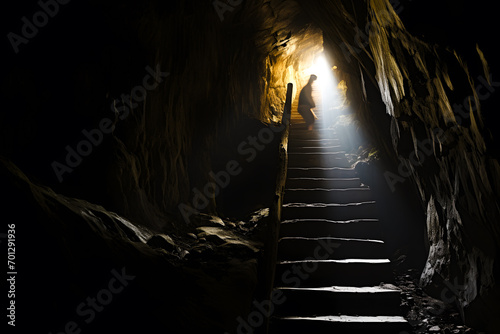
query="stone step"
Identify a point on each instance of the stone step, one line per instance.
(307, 135)
(312, 142)
(307, 154)
(318, 127)
(318, 160)
(343, 195)
(315, 149)
(330, 211)
(369, 301)
(322, 248)
(343, 324)
(318, 123)
(321, 172)
(319, 273)
(331, 183)
(314, 134)
(298, 124)
(358, 228)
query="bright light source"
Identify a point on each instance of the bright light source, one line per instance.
(325, 88)
(319, 67)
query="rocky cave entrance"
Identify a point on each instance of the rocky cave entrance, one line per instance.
(143, 148)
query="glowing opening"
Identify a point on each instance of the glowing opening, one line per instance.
(325, 91)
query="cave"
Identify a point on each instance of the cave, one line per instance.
(149, 149)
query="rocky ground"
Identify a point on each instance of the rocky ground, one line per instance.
(427, 314)
(170, 278)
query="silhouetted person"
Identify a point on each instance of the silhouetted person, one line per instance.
(306, 103)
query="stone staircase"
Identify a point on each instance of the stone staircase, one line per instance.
(332, 271)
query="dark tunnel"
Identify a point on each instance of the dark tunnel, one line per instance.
(158, 174)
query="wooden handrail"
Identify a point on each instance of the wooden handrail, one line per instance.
(275, 210)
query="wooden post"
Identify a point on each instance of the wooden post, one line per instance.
(275, 210)
(287, 112)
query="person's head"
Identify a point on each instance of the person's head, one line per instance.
(312, 78)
